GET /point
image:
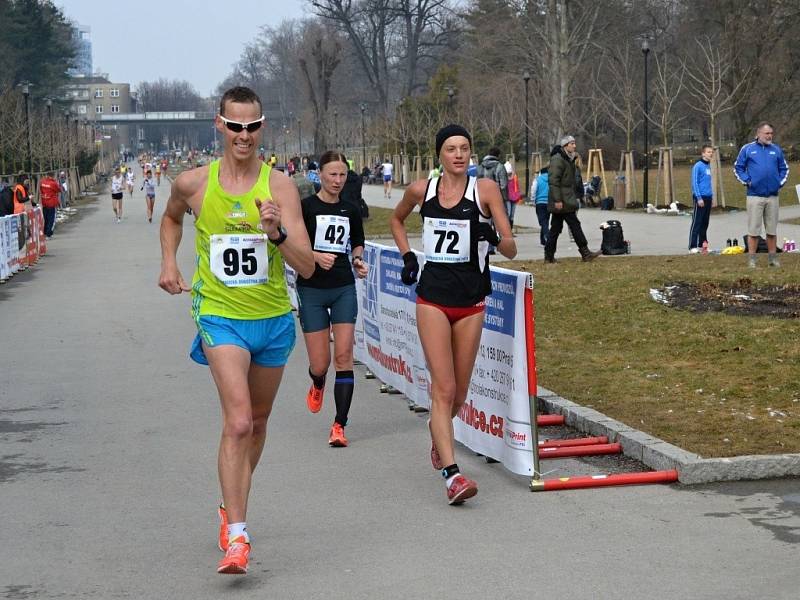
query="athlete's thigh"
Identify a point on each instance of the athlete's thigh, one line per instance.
(343, 336)
(318, 346)
(435, 335)
(466, 340)
(229, 367)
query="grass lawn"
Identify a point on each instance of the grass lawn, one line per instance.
(713, 384)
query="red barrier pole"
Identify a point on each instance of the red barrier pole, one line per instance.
(574, 483)
(588, 441)
(547, 420)
(530, 350)
(580, 450)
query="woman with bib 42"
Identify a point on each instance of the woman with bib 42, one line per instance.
(457, 213)
(327, 299)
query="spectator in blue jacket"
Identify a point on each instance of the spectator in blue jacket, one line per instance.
(701, 198)
(539, 190)
(762, 168)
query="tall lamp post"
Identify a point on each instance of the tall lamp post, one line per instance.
(526, 76)
(363, 108)
(299, 138)
(336, 128)
(26, 92)
(646, 52)
(52, 134)
(450, 94)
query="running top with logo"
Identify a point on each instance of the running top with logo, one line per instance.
(387, 169)
(456, 271)
(335, 228)
(116, 184)
(239, 275)
(129, 175)
(149, 186)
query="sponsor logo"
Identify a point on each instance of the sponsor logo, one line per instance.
(480, 421)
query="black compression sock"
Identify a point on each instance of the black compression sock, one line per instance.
(343, 395)
(319, 380)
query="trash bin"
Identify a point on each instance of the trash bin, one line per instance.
(619, 192)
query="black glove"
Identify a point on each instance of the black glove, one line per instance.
(486, 233)
(410, 268)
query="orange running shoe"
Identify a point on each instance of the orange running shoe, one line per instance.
(337, 439)
(314, 398)
(223, 528)
(235, 561)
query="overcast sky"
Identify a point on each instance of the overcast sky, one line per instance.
(198, 41)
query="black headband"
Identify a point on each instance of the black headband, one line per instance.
(449, 131)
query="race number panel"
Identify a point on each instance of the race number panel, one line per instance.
(333, 233)
(446, 240)
(239, 260)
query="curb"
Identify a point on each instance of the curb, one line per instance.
(660, 455)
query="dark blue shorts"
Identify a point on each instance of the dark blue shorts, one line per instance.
(318, 308)
(269, 341)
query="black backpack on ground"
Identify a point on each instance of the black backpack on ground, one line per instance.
(607, 203)
(613, 239)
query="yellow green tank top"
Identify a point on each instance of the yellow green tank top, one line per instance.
(239, 274)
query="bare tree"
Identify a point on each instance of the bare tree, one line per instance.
(622, 96)
(668, 87)
(705, 83)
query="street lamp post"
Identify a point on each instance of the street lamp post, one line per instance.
(526, 76)
(26, 92)
(336, 128)
(363, 108)
(646, 52)
(450, 94)
(299, 138)
(52, 133)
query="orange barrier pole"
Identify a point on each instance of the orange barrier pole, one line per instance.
(547, 420)
(574, 483)
(573, 442)
(580, 450)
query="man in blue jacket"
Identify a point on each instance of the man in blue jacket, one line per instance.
(763, 169)
(702, 198)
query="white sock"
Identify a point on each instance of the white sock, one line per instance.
(238, 529)
(449, 481)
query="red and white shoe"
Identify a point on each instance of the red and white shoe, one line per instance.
(460, 489)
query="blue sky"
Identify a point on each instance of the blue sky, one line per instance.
(177, 39)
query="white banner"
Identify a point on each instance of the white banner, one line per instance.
(495, 420)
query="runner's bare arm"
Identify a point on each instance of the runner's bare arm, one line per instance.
(492, 202)
(296, 250)
(184, 188)
(412, 198)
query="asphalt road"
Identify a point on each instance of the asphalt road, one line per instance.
(108, 473)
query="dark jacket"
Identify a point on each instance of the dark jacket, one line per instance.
(562, 182)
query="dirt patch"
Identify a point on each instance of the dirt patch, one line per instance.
(741, 297)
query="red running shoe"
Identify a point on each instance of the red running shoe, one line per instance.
(314, 398)
(223, 528)
(460, 489)
(337, 439)
(235, 561)
(436, 460)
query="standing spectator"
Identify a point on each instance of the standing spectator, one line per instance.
(49, 191)
(540, 189)
(562, 201)
(64, 183)
(6, 198)
(351, 191)
(701, 198)
(21, 196)
(513, 192)
(493, 169)
(762, 168)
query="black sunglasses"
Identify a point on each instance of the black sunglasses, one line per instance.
(237, 127)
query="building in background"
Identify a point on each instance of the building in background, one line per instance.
(90, 97)
(81, 35)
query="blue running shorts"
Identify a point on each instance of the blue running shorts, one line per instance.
(269, 341)
(319, 307)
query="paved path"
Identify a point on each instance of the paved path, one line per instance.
(108, 478)
(648, 233)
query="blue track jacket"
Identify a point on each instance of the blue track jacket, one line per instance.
(762, 168)
(701, 180)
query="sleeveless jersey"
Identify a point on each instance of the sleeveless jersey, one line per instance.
(239, 275)
(456, 271)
